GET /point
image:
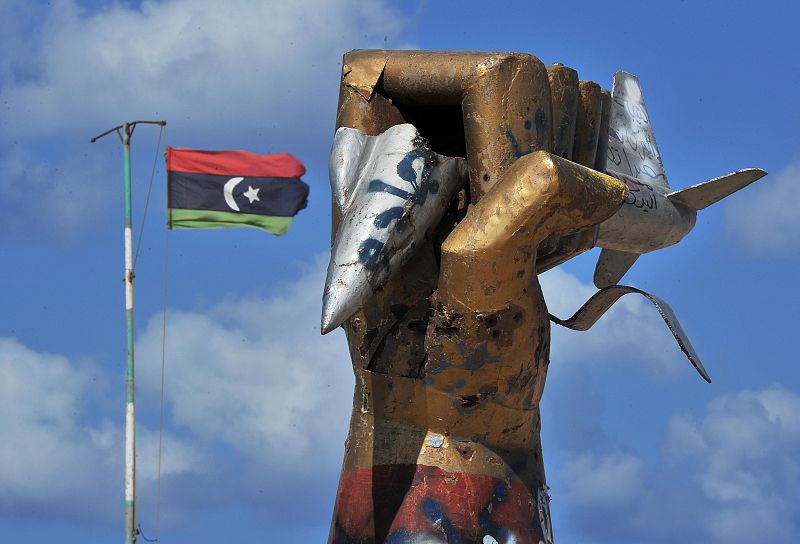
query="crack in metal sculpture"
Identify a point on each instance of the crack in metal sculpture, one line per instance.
(457, 178)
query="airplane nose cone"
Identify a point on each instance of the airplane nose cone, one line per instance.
(346, 289)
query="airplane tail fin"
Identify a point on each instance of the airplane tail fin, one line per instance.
(632, 148)
(707, 193)
(611, 266)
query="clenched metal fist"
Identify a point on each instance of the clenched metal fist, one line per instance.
(435, 283)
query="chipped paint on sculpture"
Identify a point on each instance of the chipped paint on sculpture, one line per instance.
(442, 507)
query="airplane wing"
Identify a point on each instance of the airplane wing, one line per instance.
(707, 193)
(604, 299)
(611, 266)
(632, 146)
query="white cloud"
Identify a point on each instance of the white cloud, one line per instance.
(54, 463)
(730, 476)
(249, 376)
(631, 332)
(765, 219)
(256, 375)
(607, 482)
(252, 376)
(746, 446)
(218, 67)
(261, 76)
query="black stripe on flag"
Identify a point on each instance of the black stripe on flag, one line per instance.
(275, 196)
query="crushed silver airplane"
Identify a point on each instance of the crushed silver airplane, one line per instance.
(653, 216)
(391, 191)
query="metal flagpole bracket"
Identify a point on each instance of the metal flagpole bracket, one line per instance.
(131, 125)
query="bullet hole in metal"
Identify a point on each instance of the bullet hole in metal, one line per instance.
(445, 322)
(414, 325)
(371, 334)
(488, 390)
(465, 449)
(399, 310)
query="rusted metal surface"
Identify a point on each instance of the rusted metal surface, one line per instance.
(450, 347)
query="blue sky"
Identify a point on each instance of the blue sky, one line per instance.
(638, 448)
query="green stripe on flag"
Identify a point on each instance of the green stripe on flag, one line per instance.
(208, 219)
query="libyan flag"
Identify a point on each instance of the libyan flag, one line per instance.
(217, 189)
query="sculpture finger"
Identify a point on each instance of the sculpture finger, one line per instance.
(587, 127)
(583, 138)
(601, 157)
(565, 94)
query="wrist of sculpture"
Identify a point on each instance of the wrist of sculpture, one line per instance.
(415, 460)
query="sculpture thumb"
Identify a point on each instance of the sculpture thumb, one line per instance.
(495, 244)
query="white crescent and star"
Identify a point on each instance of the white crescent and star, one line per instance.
(251, 194)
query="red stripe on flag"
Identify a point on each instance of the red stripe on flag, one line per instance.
(234, 163)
